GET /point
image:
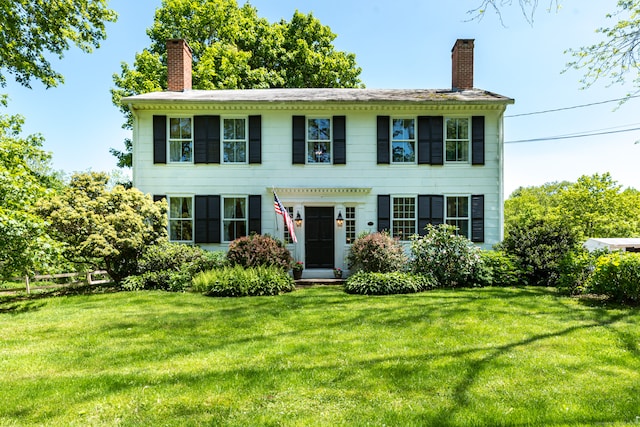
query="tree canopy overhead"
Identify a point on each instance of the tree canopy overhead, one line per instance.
(29, 30)
(233, 48)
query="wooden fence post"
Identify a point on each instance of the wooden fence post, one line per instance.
(26, 281)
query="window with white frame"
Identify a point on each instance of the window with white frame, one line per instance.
(234, 221)
(457, 139)
(458, 213)
(181, 219)
(180, 139)
(234, 140)
(403, 221)
(403, 141)
(318, 140)
(350, 224)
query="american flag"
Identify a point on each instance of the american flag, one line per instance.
(281, 210)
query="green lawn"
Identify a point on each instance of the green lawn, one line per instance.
(319, 357)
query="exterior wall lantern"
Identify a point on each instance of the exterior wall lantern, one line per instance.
(339, 219)
(298, 220)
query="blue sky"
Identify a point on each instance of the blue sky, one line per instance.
(399, 44)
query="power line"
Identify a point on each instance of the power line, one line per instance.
(572, 107)
(552, 138)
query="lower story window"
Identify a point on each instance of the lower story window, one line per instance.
(404, 217)
(458, 213)
(234, 222)
(287, 235)
(350, 224)
(181, 219)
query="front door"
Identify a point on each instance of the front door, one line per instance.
(319, 237)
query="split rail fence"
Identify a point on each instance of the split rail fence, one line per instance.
(97, 277)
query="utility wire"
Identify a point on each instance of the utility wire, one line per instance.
(553, 138)
(572, 107)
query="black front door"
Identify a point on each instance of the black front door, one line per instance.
(319, 238)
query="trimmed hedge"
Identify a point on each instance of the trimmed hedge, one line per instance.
(259, 250)
(238, 281)
(376, 252)
(371, 283)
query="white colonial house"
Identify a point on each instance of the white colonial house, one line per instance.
(342, 161)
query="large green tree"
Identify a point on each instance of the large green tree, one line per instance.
(105, 228)
(616, 58)
(32, 29)
(25, 178)
(593, 206)
(233, 48)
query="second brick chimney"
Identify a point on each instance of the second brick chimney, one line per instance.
(462, 64)
(179, 59)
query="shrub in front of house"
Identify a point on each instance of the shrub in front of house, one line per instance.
(539, 248)
(497, 269)
(376, 253)
(370, 283)
(576, 269)
(617, 275)
(170, 266)
(450, 258)
(238, 281)
(259, 250)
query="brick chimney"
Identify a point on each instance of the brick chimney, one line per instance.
(179, 59)
(462, 64)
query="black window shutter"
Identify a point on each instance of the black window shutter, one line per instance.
(159, 139)
(430, 211)
(424, 140)
(207, 216)
(477, 218)
(255, 139)
(206, 139)
(383, 140)
(437, 140)
(384, 212)
(339, 140)
(255, 214)
(298, 148)
(477, 140)
(158, 197)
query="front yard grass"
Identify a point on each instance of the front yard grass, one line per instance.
(318, 356)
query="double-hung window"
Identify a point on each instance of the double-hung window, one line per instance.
(181, 219)
(457, 139)
(403, 141)
(403, 220)
(318, 140)
(180, 139)
(234, 140)
(234, 221)
(457, 213)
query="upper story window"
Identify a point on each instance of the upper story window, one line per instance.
(403, 141)
(318, 140)
(403, 220)
(457, 139)
(180, 139)
(234, 140)
(234, 221)
(181, 219)
(457, 213)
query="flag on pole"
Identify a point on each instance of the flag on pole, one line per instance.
(281, 210)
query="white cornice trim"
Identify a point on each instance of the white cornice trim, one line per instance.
(320, 190)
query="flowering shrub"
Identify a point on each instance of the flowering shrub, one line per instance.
(256, 250)
(451, 259)
(298, 266)
(378, 253)
(617, 275)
